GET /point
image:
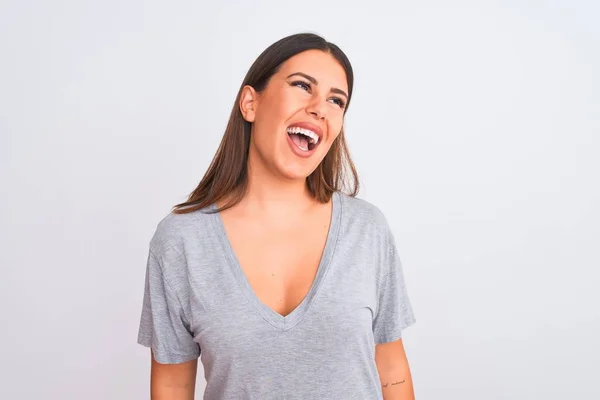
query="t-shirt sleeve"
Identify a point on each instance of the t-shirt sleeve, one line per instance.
(394, 310)
(163, 325)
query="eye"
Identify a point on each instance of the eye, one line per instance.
(340, 102)
(302, 84)
(306, 86)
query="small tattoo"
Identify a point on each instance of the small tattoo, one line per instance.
(394, 383)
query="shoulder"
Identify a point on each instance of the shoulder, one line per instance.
(174, 230)
(364, 213)
(366, 229)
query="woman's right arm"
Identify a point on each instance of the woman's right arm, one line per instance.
(165, 328)
(172, 381)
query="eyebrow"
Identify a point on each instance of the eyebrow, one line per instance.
(314, 82)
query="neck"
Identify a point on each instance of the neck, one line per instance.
(275, 195)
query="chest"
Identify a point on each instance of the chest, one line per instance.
(280, 262)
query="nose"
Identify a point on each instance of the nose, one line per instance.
(317, 108)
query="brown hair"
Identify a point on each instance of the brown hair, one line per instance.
(227, 173)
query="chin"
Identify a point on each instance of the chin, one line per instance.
(296, 175)
(295, 172)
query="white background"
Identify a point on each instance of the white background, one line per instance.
(475, 127)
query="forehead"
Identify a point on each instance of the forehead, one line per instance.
(318, 64)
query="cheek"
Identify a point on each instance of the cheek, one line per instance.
(276, 111)
(289, 103)
(335, 127)
(267, 122)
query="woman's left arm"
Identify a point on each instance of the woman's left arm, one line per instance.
(394, 372)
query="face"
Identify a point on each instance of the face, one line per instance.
(303, 103)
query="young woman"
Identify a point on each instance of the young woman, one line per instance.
(285, 286)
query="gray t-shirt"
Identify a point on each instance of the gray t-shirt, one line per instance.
(198, 303)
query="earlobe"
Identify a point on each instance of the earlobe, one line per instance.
(248, 103)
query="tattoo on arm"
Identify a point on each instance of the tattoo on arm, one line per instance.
(395, 383)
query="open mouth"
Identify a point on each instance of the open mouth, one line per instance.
(304, 139)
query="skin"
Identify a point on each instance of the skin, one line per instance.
(278, 208)
(394, 371)
(172, 381)
(289, 99)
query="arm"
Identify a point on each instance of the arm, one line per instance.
(173, 381)
(394, 372)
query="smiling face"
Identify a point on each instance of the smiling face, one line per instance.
(298, 115)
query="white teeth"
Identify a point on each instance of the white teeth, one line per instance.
(314, 138)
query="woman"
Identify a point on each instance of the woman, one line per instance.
(285, 286)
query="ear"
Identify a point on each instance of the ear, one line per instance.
(248, 103)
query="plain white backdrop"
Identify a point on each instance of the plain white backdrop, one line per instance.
(475, 127)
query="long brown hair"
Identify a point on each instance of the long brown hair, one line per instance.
(227, 174)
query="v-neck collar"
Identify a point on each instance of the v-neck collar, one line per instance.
(269, 315)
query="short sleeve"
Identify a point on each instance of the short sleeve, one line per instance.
(163, 324)
(394, 310)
